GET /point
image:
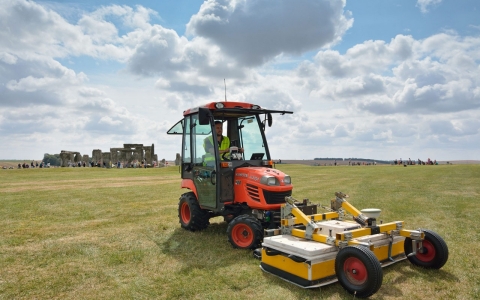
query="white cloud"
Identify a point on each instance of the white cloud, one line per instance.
(254, 32)
(8, 58)
(157, 50)
(424, 4)
(99, 30)
(415, 77)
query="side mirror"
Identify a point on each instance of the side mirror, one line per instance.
(204, 116)
(268, 121)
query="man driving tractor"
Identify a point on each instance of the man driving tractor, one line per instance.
(223, 143)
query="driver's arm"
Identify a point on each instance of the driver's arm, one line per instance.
(208, 146)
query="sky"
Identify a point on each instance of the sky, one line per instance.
(365, 79)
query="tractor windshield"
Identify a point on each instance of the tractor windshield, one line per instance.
(251, 138)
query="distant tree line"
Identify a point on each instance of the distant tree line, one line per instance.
(53, 159)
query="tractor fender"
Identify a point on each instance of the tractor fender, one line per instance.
(188, 184)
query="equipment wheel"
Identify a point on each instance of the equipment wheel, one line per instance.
(358, 271)
(245, 232)
(191, 216)
(432, 255)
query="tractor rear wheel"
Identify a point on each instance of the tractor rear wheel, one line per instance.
(191, 216)
(245, 232)
(432, 255)
(358, 271)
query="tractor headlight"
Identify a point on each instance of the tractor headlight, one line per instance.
(287, 179)
(269, 180)
(219, 105)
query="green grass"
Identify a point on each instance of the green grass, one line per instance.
(89, 233)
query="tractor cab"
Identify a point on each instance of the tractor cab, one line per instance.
(238, 182)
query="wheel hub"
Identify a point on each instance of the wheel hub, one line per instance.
(355, 271)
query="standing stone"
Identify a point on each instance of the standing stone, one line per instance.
(64, 157)
(178, 159)
(107, 159)
(97, 156)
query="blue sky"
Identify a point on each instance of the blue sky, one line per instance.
(383, 20)
(372, 79)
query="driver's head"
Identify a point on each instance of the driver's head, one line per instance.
(218, 128)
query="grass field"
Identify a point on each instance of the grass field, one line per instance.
(90, 233)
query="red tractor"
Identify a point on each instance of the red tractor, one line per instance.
(242, 186)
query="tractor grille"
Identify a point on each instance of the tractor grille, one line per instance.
(276, 197)
(253, 192)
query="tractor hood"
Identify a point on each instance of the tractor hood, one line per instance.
(262, 176)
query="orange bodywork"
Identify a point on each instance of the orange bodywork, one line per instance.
(188, 184)
(249, 189)
(229, 104)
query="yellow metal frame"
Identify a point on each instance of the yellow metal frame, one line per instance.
(307, 271)
(344, 238)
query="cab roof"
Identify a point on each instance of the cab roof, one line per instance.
(234, 109)
(224, 110)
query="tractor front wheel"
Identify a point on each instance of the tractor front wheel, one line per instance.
(245, 232)
(191, 216)
(358, 271)
(432, 255)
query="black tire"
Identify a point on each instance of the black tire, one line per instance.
(245, 232)
(358, 271)
(434, 252)
(190, 215)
